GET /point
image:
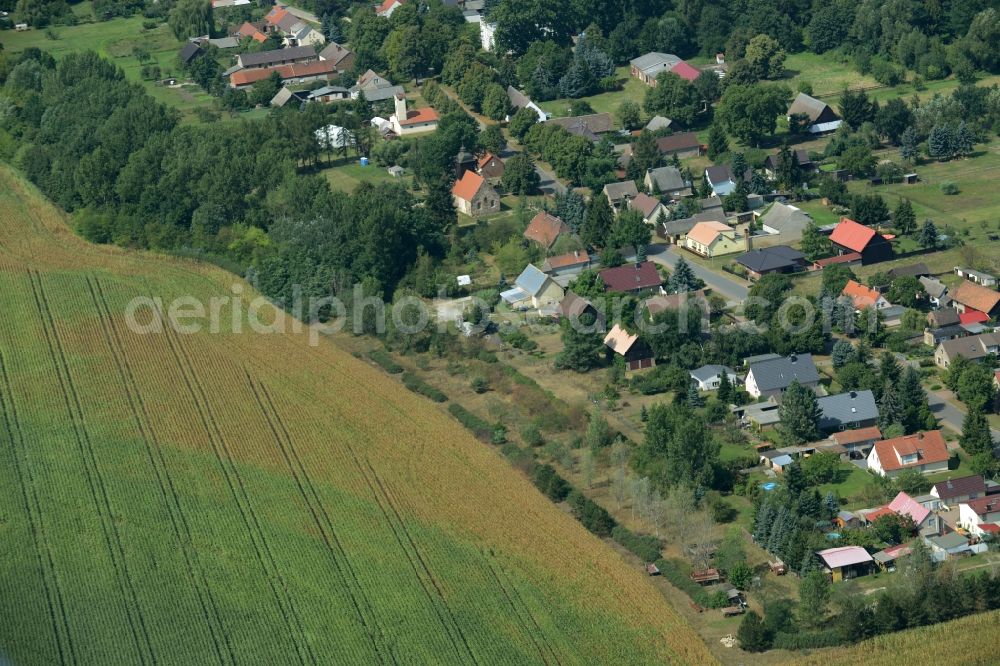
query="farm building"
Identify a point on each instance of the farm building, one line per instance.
(849, 238)
(820, 115)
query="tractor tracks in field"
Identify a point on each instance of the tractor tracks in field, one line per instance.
(154, 451)
(95, 479)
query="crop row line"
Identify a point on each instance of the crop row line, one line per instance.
(240, 495)
(140, 415)
(321, 517)
(33, 511)
(95, 480)
(520, 609)
(450, 626)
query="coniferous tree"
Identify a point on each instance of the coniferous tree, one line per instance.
(964, 139)
(976, 437)
(683, 279)
(800, 414)
(909, 145)
(598, 223)
(842, 354)
(914, 400)
(752, 634)
(928, 235)
(581, 346)
(718, 144)
(890, 409)
(725, 391)
(941, 141)
(903, 218)
(694, 398)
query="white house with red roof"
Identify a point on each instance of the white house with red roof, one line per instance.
(388, 7)
(981, 515)
(405, 122)
(925, 452)
(864, 297)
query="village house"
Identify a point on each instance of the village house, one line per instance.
(925, 452)
(567, 264)
(667, 181)
(770, 377)
(341, 57)
(647, 67)
(631, 347)
(573, 307)
(533, 288)
(302, 72)
(864, 297)
(802, 160)
(847, 411)
(981, 515)
(820, 115)
(475, 197)
(620, 194)
(675, 231)
(783, 220)
(328, 94)
(776, 259)
(690, 299)
(387, 7)
(405, 122)
(519, 101)
(632, 278)
(288, 96)
(713, 239)
(683, 145)
(978, 277)
(937, 291)
(945, 546)
(927, 522)
(248, 30)
(294, 31)
(845, 562)
(970, 297)
(491, 168)
(917, 270)
(850, 238)
(592, 127)
(708, 377)
(973, 347)
(721, 179)
(189, 52)
(375, 88)
(955, 491)
(650, 207)
(857, 443)
(545, 229)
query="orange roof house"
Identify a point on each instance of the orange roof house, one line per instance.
(713, 238)
(971, 296)
(849, 236)
(925, 452)
(250, 30)
(864, 297)
(304, 71)
(474, 196)
(631, 347)
(544, 229)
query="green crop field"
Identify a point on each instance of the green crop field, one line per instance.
(176, 498)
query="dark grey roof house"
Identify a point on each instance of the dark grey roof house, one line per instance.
(189, 52)
(777, 259)
(772, 377)
(847, 411)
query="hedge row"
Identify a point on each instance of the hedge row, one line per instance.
(384, 361)
(479, 427)
(807, 640)
(417, 385)
(644, 546)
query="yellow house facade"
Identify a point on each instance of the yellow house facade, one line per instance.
(713, 239)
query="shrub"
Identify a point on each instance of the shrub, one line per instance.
(550, 483)
(949, 187)
(644, 546)
(480, 385)
(531, 436)
(807, 640)
(384, 361)
(479, 427)
(590, 514)
(417, 385)
(499, 435)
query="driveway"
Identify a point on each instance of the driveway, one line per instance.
(548, 183)
(732, 289)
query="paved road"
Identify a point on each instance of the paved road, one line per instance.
(548, 183)
(732, 289)
(949, 414)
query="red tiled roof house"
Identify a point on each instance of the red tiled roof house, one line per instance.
(850, 237)
(925, 452)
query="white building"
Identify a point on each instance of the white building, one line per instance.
(406, 122)
(334, 136)
(487, 35)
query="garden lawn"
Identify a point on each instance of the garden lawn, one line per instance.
(851, 485)
(827, 74)
(633, 89)
(115, 40)
(347, 173)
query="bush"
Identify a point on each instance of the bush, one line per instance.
(417, 385)
(590, 514)
(531, 436)
(670, 570)
(384, 361)
(480, 385)
(479, 427)
(518, 340)
(644, 546)
(949, 187)
(550, 483)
